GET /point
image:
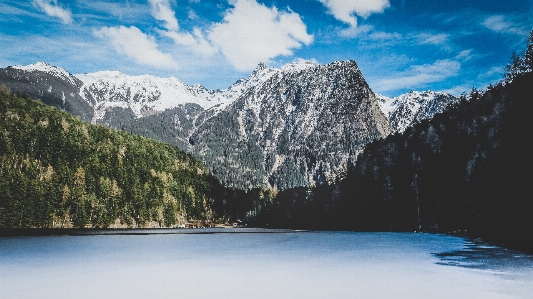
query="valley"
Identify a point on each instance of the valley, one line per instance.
(299, 125)
(304, 146)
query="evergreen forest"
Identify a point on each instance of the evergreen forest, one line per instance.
(57, 171)
(466, 171)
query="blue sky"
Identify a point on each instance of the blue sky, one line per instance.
(399, 45)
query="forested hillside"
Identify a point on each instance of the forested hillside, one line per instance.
(467, 170)
(57, 171)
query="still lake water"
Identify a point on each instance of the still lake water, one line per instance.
(261, 265)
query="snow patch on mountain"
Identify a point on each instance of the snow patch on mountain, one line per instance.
(147, 94)
(407, 109)
(387, 104)
(143, 94)
(298, 66)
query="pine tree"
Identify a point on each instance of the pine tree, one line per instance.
(520, 62)
(515, 67)
(528, 57)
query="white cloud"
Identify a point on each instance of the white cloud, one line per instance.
(161, 11)
(136, 45)
(251, 33)
(356, 31)
(418, 76)
(385, 36)
(195, 42)
(51, 8)
(466, 55)
(432, 39)
(345, 10)
(500, 24)
(191, 14)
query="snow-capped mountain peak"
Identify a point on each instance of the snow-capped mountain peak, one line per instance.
(298, 65)
(144, 94)
(415, 106)
(47, 68)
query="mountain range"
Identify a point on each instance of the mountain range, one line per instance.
(298, 125)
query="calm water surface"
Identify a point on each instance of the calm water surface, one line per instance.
(261, 265)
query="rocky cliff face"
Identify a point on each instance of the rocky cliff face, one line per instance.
(294, 126)
(299, 127)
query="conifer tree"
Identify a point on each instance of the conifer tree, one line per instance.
(528, 57)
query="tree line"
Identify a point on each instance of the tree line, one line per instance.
(467, 170)
(58, 171)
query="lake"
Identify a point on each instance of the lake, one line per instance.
(247, 263)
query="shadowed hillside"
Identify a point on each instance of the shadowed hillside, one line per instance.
(468, 170)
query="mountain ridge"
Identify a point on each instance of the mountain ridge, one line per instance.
(297, 125)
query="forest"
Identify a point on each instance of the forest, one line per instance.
(58, 171)
(467, 171)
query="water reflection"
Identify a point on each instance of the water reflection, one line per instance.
(477, 254)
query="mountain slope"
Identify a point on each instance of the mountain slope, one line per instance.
(279, 128)
(408, 109)
(57, 171)
(467, 169)
(294, 126)
(298, 127)
(49, 84)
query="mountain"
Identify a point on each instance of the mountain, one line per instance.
(294, 126)
(50, 84)
(297, 125)
(466, 171)
(408, 109)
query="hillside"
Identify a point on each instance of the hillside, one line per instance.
(51, 85)
(58, 171)
(297, 125)
(468, 171)
(279, 128)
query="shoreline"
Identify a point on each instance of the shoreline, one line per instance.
(27, 232)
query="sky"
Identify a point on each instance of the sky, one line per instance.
(399, 45)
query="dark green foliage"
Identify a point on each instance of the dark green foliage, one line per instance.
(528, 56)
(469, 169)
(287, 175)
(520, 62)
(57, 171)
(302, 208)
